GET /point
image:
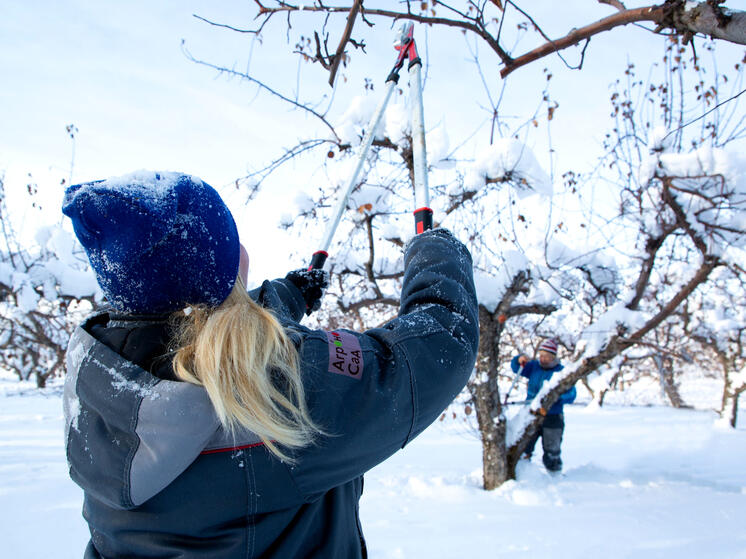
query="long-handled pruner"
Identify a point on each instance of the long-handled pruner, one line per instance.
(423, 215)
(513, 385)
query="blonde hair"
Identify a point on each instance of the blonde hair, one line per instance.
(248, 365)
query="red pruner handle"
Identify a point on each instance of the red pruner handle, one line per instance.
(423, 220)
(318, 259)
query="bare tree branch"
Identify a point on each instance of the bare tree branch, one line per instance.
(253, 180)
(683, 18)
(230, 27)
(345, 38)
(371, 255)
(708, 265)
(681, 217)
(518, 310)
(649, 13)
(470, 24)
(652, 245)
(363, 303)
(263, 86)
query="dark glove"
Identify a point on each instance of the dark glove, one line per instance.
(312, 284)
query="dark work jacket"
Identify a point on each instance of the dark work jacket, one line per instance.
(161, 477)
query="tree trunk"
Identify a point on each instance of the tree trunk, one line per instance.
(492, 432)
(671, 389)
(729, 410)
(498, 465)
(729, 407)
(717, 22)
(734, 410)
(668, 383)
(486, 397)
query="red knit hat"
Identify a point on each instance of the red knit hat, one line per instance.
(549, 345)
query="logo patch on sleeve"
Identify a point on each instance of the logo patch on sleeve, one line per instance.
(345, 355)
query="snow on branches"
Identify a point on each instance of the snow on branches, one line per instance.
(511, 161)
(46, 287)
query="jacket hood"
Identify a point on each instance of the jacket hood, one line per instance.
(553, 366)
(128, 433)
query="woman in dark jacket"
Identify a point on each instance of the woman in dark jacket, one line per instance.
(204, 421)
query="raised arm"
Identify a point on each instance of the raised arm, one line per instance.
(373, 392)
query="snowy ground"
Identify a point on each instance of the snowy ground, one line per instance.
(639, 482)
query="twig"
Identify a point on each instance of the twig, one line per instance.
(231, 28)
(615, 3)
(470, 25)
(262, 85)
(704, 114)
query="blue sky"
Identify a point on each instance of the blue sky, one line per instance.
(116, 70)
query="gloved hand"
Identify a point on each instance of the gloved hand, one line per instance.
(312, 284)
(541, 412)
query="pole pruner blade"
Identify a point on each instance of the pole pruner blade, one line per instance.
(406, 46)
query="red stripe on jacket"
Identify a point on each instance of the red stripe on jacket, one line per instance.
(231, 448)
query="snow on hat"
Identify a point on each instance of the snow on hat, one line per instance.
(549, 345)
(156, 241)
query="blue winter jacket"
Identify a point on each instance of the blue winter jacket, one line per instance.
(161, 478)
(536, 376)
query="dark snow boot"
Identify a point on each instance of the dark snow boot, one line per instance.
(552, 462)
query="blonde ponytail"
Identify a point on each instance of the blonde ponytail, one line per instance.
(249, 367)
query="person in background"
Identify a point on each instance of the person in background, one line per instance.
(203, 420)
(538, 371)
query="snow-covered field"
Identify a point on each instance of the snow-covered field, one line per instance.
(639, 482)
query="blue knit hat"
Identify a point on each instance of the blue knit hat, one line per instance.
(156, 241)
